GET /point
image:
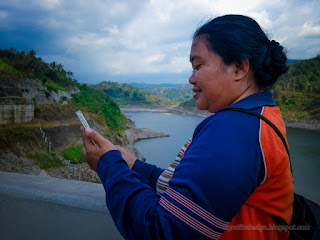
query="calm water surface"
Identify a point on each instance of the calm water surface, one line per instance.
(304, 147)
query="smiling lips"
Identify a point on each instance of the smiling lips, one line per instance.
(196, 92)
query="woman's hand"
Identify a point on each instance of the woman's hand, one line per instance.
(92, 152)
(127, 156)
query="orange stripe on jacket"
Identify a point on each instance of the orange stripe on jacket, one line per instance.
(274, 196)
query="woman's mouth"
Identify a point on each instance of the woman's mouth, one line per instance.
(196, 92)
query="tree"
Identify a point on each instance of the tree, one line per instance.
(32, 53)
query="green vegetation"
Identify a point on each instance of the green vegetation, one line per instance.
(47, 160)
(179, 94)
(297, 93)
(189, 105)
(52, 86)
(52, 75)
(73, 154)
(122, 93)
(7, 68)
(97, 102)
(126, 94)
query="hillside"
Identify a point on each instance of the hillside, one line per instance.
(52, 96)
(297, 93)
(126, 94)
(140, 85)
(179, 94)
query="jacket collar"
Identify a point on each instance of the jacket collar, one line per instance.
(254, 101)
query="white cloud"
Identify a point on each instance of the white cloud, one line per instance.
(310, 30)
(151, 41)
(154, 36)
(113, 30)
(155, 58)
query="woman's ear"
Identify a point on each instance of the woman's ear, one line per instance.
(242, 68)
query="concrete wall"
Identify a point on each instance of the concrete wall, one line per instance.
(16, 113)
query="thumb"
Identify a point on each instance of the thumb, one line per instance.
(88, 135)
(95, 136)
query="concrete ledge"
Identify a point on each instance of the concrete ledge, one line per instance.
(84, 195)
(39, 207)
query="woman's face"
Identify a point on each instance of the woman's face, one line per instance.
(212, 80)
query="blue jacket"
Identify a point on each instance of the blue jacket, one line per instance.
(221, 168)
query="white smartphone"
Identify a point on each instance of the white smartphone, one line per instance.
(84, 123)
(82, 119)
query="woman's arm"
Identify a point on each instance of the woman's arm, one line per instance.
(147, 173)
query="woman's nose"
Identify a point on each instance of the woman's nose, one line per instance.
(192, 79)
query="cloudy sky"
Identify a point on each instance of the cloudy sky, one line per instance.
(143, 40)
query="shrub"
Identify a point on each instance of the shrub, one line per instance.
(73, 154)
(47, 160)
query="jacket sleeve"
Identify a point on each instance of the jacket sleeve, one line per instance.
(147, 173)
(217, 174)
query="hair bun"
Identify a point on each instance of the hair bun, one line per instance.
(275, 58)
(274, 62)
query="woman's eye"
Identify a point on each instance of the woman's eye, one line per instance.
(197, 67)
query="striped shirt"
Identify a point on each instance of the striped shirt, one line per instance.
(166, 175)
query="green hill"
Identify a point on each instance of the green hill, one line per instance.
(179, 94)
(297, 93)
(126, 94)
(140, 85)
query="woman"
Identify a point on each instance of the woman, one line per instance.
(235, 172)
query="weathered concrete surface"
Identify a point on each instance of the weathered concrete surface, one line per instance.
(16, 113)
(38, 207)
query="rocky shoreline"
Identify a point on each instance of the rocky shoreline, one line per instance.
(167, 110)
(134, 134)
(303, 124)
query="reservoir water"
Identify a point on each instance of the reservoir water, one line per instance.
(304, 147)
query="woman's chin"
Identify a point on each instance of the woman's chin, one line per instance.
(201, 106)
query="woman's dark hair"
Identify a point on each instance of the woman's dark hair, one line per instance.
(237, 37)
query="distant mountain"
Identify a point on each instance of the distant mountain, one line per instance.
(155, 84)
(291, 61)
